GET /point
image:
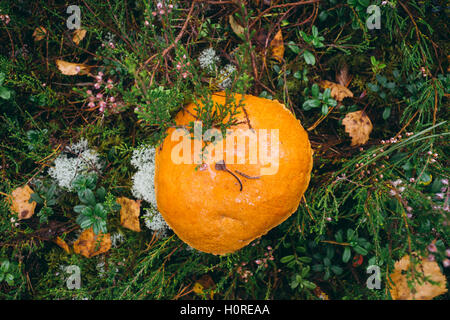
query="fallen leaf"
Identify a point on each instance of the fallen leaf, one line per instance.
(129, 213)
(39, 33)
(338, 92)
(423, 290)
(72, 69)
(358, 126)
(78, 35)
(320, 294)
(20, 204)
(237, 28)
(90, 244)
(277, 47)
(60, 242)
(204, 283)
(342, 77)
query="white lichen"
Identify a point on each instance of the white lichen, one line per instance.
(143, 159)
(75, 160)
(154, 221)
(226, 75)
(143, 187)
(208, 59)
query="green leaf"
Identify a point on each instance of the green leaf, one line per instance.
(5, 266)
(286, 259)
(364, 3)
(9, 279)
(312, 103)
(309, 57)
(2, 78)
(360, 250)
(315, 90)
(291, 45)
(336, 270)
(347, 254)
(386, 113)
(79, 208)
(89, 197)
(5, 93)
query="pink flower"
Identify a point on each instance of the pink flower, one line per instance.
(431, 258)
(184, 74)
(258, 261)
(112, 99)
(446, 263)
(447, 253)
(161, 12)
(146, 23)
(99, 96)
(97, 85)
(91, 104)
(432, 247)
(89, 92)
(159, 5)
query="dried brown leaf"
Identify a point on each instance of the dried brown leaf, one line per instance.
(78, 35)
(39, 33)
(423, 290)
(358, 126)
(129, 213)
(72, 69)
(343, 77)
(90, 244)
(277, 47)
(20, 205)
(237, 28)
(338, 92)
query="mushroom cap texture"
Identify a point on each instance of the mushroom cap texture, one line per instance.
(206, 208)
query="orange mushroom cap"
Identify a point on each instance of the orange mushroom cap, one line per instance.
(219, 212)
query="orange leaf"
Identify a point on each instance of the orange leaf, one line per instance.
(39, 33)
(423, 290)
(129, 213)
(60, 242)
(358, 126)
(338, 92)
(20, 205)
(78, 35)
(277, 47)
(90, 244)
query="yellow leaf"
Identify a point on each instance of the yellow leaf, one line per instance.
(78, 35)
(129, 213)
(358, 126)
(20, 204)
(338, 92)
(237, 28)
(277, 47)
(71, 69)
(60, 242)
(204, 283)
(90, 244)
(198, 288)
(39, 33)
(423, 290)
